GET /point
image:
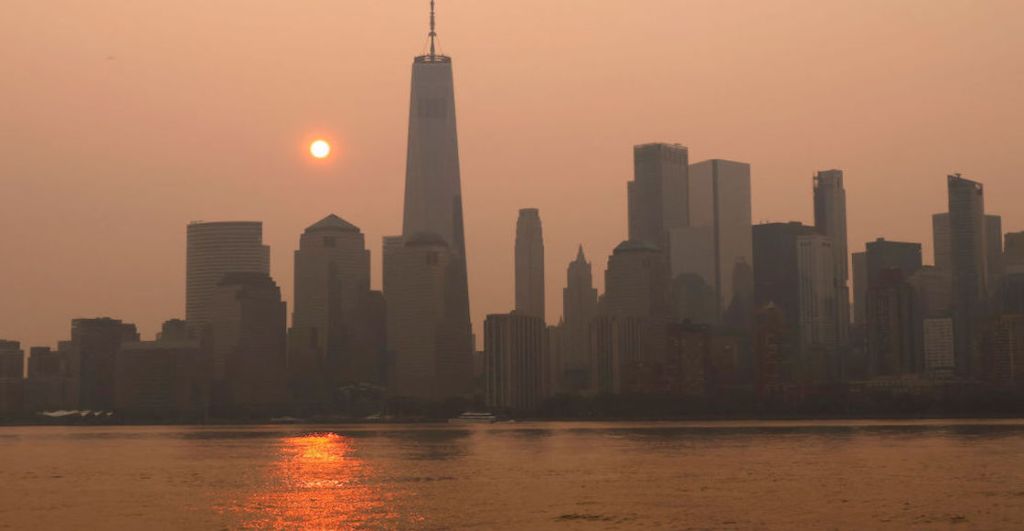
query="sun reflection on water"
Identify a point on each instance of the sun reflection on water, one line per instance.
(318, 483)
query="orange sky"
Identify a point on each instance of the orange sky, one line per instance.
(122, 120)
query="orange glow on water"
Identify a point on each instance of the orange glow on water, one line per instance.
(317, 483)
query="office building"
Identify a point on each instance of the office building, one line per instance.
(247, 345)
(717, 243)
(830, 221)
(969, 267)
(428, 340)
(579, 307)
(529, 264)
(514, 361)
(433, 186)
(213, 250)
(657, 195)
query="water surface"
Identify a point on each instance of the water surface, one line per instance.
(678, 475)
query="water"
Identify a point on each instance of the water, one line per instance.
(753, 475)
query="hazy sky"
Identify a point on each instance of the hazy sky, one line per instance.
(121, 121)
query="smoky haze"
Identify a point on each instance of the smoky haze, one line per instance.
(120, 122)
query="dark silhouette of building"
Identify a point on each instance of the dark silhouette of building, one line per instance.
(993, 248)
(883, 254)
(91, 357)
(49, 385)
(161, 380)
(1013, 254)
(830, 220)
(716, 243)
(529, 264)
(247, 345)
(793, 270)
(860, 287)
(334, 339)
(213, 250)
(428, 339)
(12, 382)
(514, 361)
(891, 338)
(658, 194)
(969, 268)
(433, 189)
(173, 330)
(574, 364)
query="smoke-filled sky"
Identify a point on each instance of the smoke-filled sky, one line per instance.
(123, 120)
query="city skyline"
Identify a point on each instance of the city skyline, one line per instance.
(144, 287)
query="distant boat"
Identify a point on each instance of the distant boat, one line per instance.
(471, 417)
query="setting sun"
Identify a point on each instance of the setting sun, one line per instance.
(320, 149)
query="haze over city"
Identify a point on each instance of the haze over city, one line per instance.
(122, 122)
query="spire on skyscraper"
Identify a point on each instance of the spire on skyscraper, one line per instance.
(580, 257)
(433, 33)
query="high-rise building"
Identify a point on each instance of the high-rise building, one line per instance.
(428, 340)
(92, 352)
(529, 267)
(939, 355)
(883, 254)
(890, 326)
(717, 244)
(12, 382)
(830, 220)
(860, 286)
(943, 258)
(1013, 253)
(213, 250)
(514, 361)
(793, 271)
(329, 340)
(993, 248)
(579, 307)
(636, 301)
(657, 195)
(817, 294)
(636, 281)
(433, 188)
(160, 380)
(247, 344)
(969, 266)
(49, 385)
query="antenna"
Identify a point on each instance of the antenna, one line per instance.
(433, 34)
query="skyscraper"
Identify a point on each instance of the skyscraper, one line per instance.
(718, 242)
(433, 189)
(579, 307)
(248, 336)
(993, 248)
(830, 220)
(657, 195)
(793, 271)
(429, 333)
(883, 254)
(530, 264)
(514, 361)
(214, 249)
(969, 267)
(940, 241)
(428, 340)
(92, 351)
(329, 337)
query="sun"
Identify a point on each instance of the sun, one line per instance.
(320, 149)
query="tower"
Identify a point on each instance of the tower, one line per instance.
(432, 229)
(658, 193)
(214, 249)
(530, 264)
(830, 220)
(968, 262)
